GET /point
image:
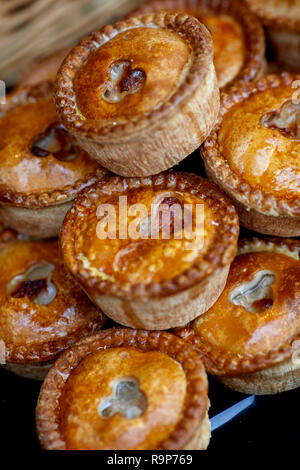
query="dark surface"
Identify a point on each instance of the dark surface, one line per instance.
(272, 421)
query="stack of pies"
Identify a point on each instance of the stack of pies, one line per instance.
(89, 159)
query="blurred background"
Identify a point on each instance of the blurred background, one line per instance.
(33, 29)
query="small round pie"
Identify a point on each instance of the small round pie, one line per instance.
(42, 310)
(250, 338)
(141, 95)
(125, 389)
(43, 69)
(282, 21)
(238, 38)
(253, 154)
(152, 252)
(42, 168)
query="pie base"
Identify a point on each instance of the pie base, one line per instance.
(202, 436)
(286, 47)
(279, 378)
(29, 371)
(158, 149)
(167, 312)
(42, 222)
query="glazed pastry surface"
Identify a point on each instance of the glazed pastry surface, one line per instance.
(32, 331)
(140, 258)
(158, 400)
(260, 140)
(248, 323)
(131, 74)
(23, 169)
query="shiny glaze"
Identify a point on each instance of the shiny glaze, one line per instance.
(232, 329)
(264, 157)
(227, 35)
(144, 259)
(161, 55)
(26, 326)
(160, 378)
(20, 169)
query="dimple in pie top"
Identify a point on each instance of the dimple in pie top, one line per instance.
(41, 309)
(131, 74)
(156, 250)
(258, 307)
(36, 153)
(124, 378)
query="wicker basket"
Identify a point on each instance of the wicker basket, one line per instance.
(30, 29)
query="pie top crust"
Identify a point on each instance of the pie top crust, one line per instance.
(281, 14)
(237, 36)
(82, 405)
(255, 323)
(137, 262)
(253, 151)
(138, 72)
(42, 311)
(31, 175)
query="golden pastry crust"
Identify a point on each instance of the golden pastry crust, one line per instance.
(36, 371)
(26, 178)
(238, 38)
(81, 246)
(195, 35)
(43, 69)
(178, 424)
(261, 188)
(32, 332)
(151, 104)
(159, 78)
(278, 14)
(276, 379)
(282, 21)
(233, 339)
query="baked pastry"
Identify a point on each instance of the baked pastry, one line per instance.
(125, 389)
(43, 69)
(282, 21)
(167, 260)
(42, 310)
(250, 338)
(238, 38)
(141, 95)
(252, 154)
(42, 169)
